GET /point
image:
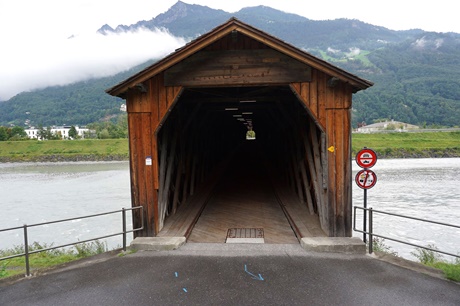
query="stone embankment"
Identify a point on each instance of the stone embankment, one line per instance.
(418, 153)
(385, 153)
(54, 158)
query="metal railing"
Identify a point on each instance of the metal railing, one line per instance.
(25, 227)
(371, 233)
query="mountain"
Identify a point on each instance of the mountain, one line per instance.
(76, 104)
(191, 20)
(416, 73)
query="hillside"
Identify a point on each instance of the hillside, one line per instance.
(76, 104)
(416, 73)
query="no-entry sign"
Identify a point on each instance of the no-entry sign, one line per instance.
(366, 179)
(366, 158)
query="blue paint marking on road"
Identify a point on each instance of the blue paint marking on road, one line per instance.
(252, 275)
(185, 289)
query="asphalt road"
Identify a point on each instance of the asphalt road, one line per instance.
(219, 274)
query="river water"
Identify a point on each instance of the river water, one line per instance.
(41, 192)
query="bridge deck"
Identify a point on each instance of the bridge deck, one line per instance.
(244, 198)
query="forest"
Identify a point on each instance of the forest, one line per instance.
(416, 74)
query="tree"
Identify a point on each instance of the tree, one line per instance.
(17, 133)
(41, 133)
(73, 134)
(3, 133)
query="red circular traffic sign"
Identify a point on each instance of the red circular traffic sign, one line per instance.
(366, 158)
(366, 179)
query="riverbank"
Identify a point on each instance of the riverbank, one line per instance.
(64, 150)
(409, 145)
(387, 145)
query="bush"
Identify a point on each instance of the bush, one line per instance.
(90, 249)
(427, 257)
(433, 259)
(46, 258)
(378, 245)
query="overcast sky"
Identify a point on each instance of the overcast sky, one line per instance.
(36, 52)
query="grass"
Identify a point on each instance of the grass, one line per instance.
(394, 145)
(45, 259)
(32, 150)
(432, 259)
(378, 245)
(429, 258)
(429, 144)
(362, 56)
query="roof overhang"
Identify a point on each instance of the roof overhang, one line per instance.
(221, 31)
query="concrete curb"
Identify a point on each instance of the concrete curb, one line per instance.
(157, 243)
(411, 265)
(334, 245)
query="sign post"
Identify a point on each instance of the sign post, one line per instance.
(365, 178)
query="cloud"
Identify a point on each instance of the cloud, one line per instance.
(35, 62)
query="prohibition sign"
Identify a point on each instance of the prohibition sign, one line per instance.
(366, 158)
(366, 179)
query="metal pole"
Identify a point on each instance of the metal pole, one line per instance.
(123, 214)
(365, 215)
(26, 250)
(371, 230)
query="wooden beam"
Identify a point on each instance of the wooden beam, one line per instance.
(314, 175)
(303, 172)
(233, 67)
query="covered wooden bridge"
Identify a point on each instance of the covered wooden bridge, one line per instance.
(198, 172)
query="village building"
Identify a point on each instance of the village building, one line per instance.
(387, 126)
(33, 132)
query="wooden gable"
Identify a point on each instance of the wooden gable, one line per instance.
(228, 34)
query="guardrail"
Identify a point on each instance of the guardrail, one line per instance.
(27, 253)
(371, 233)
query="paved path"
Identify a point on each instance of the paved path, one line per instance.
(214, 274)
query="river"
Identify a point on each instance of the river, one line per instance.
(40, 192)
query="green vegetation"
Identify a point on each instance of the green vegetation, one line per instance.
(12, 133)
(378, 245)
(115, 128)
(416, 74)
(427, 257)
(397, 145)
(75, 104)
(432, 259)
(83, 149)
(387, 145)
(45, 259)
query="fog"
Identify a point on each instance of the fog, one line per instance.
(34, 62)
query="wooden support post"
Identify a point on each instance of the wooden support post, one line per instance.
(320, 161)
(177, 185)
(303, 173)
(296, 171)
(314, 177)
(193, 172)
(169, 172)
(162, 168)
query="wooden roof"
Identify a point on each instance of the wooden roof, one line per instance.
(221, 31)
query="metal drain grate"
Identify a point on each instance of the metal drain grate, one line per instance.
(245, 235)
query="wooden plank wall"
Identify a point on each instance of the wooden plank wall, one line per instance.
(146, 110)
(142, 191)
(338, 126)
(330, 108)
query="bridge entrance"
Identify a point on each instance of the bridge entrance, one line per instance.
(257, 179)
(192, 118)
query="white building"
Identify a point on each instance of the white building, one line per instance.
(393, 126)
(33, 132)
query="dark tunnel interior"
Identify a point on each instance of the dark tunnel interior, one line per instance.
(207, 128)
